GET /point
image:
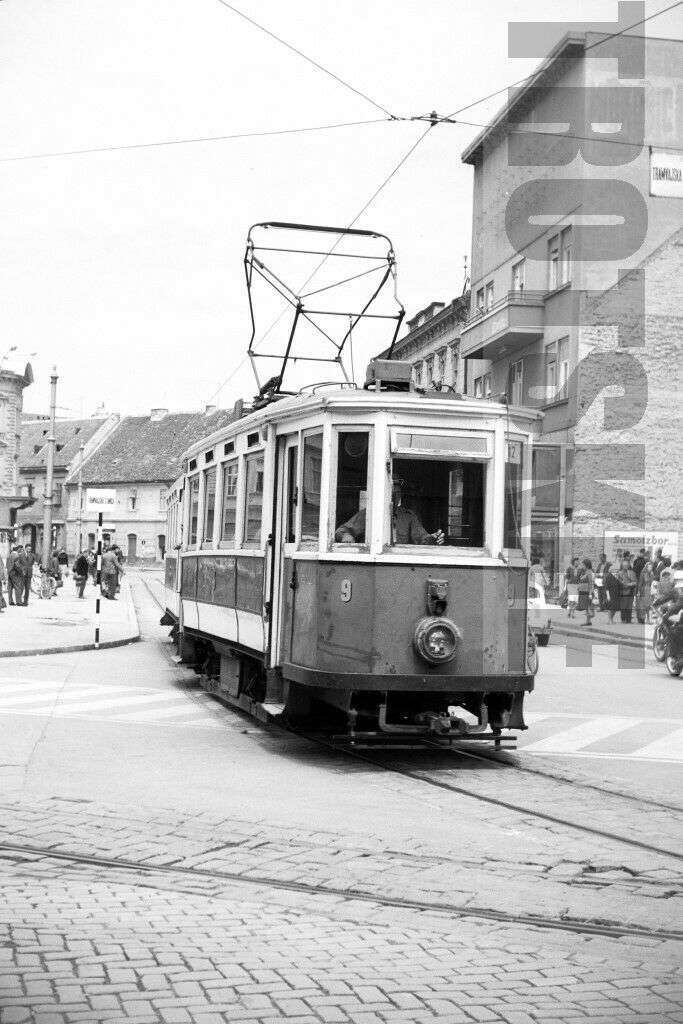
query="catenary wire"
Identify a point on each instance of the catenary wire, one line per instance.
(305, 57)
(600, 42)
(187, 142)
(372, 198)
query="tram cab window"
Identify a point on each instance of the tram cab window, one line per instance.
(352, 486)
(438, 502)
(253, 512)
(513, 494)
(312, 472)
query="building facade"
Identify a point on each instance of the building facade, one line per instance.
(432, 344)
(138, 461)
(13, 381)
(583, 322)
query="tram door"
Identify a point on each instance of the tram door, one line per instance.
(284, 588)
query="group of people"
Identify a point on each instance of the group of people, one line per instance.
(17, 573)
(626, 584)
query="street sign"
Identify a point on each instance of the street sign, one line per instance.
(100, 499)
(634, 540)
(666, 173)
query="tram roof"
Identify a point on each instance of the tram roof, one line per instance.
(432, 403)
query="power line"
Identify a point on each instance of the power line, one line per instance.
(310, 60)
(187, 142)
(325, 257)
(600, 42)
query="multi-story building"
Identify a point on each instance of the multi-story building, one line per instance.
(74, 440)
(139, 460)
(13, 380)
(578, 319)
(432, 344)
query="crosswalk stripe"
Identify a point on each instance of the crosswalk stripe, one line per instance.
(109, 702)
(135, 716)
(23, 685)
(580, 736)
(35, 698)
(669, 746)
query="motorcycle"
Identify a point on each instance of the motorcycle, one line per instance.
(674, 650)
(659, 638)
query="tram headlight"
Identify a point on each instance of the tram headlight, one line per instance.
(436, 639)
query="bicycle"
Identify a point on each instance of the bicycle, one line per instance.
(42, 585)
(532, 652)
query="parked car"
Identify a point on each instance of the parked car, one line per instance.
(537, 613)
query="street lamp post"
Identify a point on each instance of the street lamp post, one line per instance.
(80, 499)
(48, 500)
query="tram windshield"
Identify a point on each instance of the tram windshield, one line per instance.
(437, 502)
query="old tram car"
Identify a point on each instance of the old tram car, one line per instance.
(295, 591)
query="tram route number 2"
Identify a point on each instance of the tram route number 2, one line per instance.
(346, 590)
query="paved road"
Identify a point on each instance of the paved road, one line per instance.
(117, 754)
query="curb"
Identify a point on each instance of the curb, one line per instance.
(602, 635)
(70, 648)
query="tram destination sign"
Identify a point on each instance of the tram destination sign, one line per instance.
(666, 173)
(100, 499)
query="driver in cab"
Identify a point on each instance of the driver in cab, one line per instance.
(406, 527)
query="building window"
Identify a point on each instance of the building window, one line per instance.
(566, 255)
(562, 367)
(454, 364)
(429, 365)
(57, 495)
(194, 509)
(479, 387)
(418, 374)
(441, 364)
(209, 505)
(551, 370)
(518, 274)
(163, 496)
(557, 370)
(480, 301)
(486, 385)
(560, 259)
(229, 515)
(553, 263)
(132, 499)
(489, 296)
(253, 512)
(517, 382)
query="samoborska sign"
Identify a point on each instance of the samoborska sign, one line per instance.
(666, 173)
(100, 499)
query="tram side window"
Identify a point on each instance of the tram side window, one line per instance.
(194, 509)
(229, 513)
(209, 505)
(253, 513)
(352, 486)
(431, 495)
(312, 473)
(513, 496)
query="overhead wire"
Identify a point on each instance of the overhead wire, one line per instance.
(305, 57)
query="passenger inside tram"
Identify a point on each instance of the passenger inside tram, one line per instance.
(433, 501)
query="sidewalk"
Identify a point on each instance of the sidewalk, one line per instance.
(632, 634)
(66, 623)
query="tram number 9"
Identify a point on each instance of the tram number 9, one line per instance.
(346, 590)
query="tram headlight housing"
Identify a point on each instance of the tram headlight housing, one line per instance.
(437, 639)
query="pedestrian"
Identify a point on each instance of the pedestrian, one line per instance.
(639, 562)
(63, 560)
(600, 582)
(17, 565)
(586, 587)
(644, 593)
(571, 578)
(119, 554)
(81, 569)
(54, 571)
(31, 561)
(537, 573)
(92, 565)
(111, 569)
(658, 562)
(612, 592)
(3, 584)
(627, 589)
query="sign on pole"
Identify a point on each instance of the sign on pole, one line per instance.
(666, 173)
(100, 500)
(633, 540)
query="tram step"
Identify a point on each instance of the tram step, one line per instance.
(273, 708)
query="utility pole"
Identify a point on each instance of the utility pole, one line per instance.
(49, 475)
(80, 499)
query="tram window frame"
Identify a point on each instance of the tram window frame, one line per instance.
(513, 524)
(208, 510)
(230, 542)
(337, 519)
(459, 450)
(249, 542)
(194, 490)
(308, 539)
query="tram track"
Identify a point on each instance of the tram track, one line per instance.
(18, 853)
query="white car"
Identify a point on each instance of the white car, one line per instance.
(537, 613)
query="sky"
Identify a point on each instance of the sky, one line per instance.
(124, 269)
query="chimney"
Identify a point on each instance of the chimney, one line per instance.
(209, 409)
(157, 415)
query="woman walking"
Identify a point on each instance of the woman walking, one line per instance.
(627, 589)
(644, 595)
(612, 592)
(586, 591)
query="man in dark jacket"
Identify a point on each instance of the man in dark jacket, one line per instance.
(30, 562)
(111, 567)
(16, 575)
(81, 568)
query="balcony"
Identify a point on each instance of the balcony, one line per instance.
(513, 321)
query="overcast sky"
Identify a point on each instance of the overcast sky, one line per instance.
(125, 268)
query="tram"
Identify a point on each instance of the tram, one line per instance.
(353, 559)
